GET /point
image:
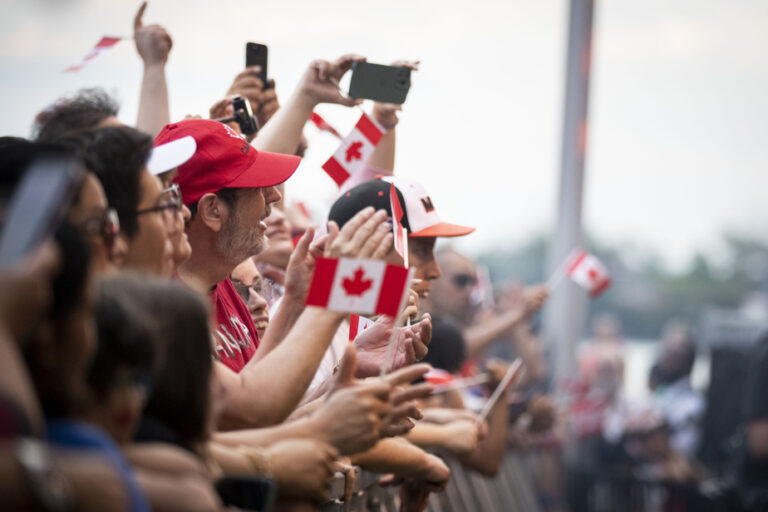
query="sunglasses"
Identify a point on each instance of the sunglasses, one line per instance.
(464, 280)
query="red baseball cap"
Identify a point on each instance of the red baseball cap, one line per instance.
(223, 159)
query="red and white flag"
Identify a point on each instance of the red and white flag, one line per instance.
(358, 324)
(367, 287)
(438, 377)
(354, 150)
(323, 125)
(587, 271)
(399, 231)
(103, 45)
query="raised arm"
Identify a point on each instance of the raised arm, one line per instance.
(268, 389)
(383, 156)
(320, 84)
(153, 44)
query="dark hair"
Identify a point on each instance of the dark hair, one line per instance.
(126, 337)
(116, 155)
(180, 387)
(228, 195)
(17, 154)
(68, 292)
(447, 350)
(85, 111)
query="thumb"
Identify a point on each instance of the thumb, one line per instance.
(347, 368)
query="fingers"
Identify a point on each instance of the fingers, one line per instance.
(406, 375)
(384, 247)
(374, 241)
(137, 23)
(333, 234)
(318, 246)
(414, 392)
(420, 350)
(347, 368)
(410, 64)
(379, 390)
(302, 248)
(426, 328)
(343, 63)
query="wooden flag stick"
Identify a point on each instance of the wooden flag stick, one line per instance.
(559, 273)
(512, 372)
(390, 356)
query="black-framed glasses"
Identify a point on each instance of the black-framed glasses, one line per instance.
(464, 280)
(170, 203)
(106, 225)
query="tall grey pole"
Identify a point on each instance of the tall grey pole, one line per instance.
(564, 316)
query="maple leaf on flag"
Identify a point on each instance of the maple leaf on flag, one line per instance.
(353, 151)
(357, 285)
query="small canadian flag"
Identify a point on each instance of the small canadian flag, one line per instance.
(587, 271)
(354, 150)
(438, 377)
(367, 287)
(103, 45)
(358, 324)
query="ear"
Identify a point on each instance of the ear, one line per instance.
(212, 212)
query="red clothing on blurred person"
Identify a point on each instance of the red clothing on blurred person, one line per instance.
(236, 337)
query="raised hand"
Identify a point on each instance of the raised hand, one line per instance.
(247, 84)
(152, 41)
(386, 113)
(366, 235)
(411, 345)
(302, 468)
(320, 83)
(301, 265)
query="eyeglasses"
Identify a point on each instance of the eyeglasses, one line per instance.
(106, 225)
(464, 280)
(263, 289)
(171, 204)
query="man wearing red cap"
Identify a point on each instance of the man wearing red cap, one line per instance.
(229, 187)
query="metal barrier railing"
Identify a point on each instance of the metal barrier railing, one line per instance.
(511, 490)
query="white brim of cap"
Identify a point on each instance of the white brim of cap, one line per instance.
(171, 155)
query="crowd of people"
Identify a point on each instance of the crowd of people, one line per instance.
(157, 352)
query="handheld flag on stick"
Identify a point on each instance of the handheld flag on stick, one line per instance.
(103, 45)
(358, 286)
(444, 381)
(354, 150)
(512, 373)
(585, 270)
(323, 125)
(358, 324)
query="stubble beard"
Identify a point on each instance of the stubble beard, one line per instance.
(240, 242)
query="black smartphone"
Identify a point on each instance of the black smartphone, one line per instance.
(38, 205)
(386, 84)
(246, 492)
(256, 55)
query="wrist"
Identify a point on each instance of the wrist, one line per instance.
(304, 101)
(154, 65)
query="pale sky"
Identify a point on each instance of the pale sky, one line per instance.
(678, 141)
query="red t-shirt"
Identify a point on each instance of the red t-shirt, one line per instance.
(235, 334)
